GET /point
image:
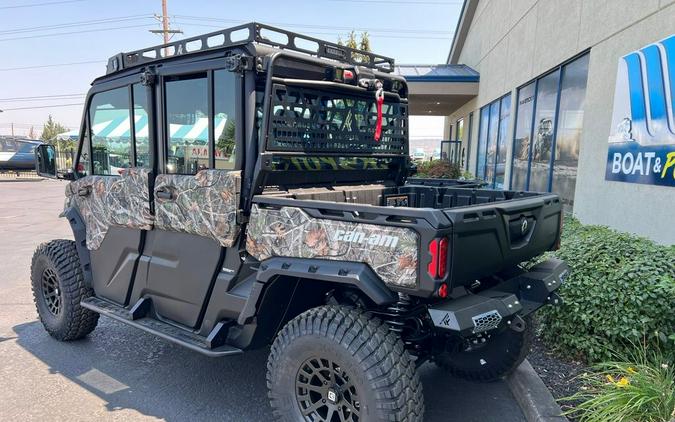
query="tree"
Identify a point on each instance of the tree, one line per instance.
(52, 129)
(353, 42)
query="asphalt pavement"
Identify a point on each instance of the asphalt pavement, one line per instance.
(120, 373)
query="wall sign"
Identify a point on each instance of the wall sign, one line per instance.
(642, 135)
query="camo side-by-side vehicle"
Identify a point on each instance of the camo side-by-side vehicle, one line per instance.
(248, 188)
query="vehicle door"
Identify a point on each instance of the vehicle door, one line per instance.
(196, 192)
(112, 193)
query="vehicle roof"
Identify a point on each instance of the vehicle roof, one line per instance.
(252, 33)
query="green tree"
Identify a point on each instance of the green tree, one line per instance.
(52, 129)
(353, 42)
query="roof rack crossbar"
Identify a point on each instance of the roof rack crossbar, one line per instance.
(249, 33)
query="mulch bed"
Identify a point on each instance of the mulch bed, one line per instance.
(558, 372)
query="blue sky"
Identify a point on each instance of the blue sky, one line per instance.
(411, 31)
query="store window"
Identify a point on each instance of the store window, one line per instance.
(521, 141)
(570, 120)
(110, 140)
(460, 137)
(547, 135)
(494, 119)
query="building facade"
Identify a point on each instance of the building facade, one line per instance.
(554, 80)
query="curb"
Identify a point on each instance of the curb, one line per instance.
(534, 399)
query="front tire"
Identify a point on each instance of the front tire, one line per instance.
(58, 288)
(502, 353)
(337, 364)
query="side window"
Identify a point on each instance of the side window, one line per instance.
(187, 121)
(7, 145)
(110, 134)
(141, 138)
(224, 119)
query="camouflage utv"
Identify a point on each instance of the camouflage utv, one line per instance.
(248, 188)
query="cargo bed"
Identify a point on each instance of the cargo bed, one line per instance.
(490, 231)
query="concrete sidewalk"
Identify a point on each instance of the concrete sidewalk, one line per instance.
(119, 373)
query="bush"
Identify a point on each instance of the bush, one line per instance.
(639, 387)
(439, 169)
(621, 286)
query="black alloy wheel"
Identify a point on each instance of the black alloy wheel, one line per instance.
(325, 393)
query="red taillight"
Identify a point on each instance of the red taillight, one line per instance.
(80, 168)
(443, 291)
(433, 265)
(438, 249)
(348, 75)
(442, 257)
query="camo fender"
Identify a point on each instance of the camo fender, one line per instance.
(204, 204)
(390, 251)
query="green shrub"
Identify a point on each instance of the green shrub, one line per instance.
(621, 286)
(639, 387)
(439, 169)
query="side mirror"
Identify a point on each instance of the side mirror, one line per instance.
(45, 161)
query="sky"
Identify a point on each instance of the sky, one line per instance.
(56, 48)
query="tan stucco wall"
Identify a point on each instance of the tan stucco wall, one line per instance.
(510, 42)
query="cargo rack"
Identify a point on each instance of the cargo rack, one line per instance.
(252, 32)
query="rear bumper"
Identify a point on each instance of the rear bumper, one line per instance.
(498, 306)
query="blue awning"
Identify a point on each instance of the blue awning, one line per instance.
(437, 73)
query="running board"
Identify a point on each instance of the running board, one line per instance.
(161, 329)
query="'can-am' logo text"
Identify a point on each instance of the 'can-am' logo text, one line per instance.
(361, 238)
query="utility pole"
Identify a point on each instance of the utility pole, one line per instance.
(12, 129)
(166, 31)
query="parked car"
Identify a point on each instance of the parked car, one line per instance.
(309, 240)
(17, 154)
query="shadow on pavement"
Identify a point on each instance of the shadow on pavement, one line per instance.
(131, 369)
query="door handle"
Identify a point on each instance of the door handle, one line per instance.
(164, 193)
(84, 191)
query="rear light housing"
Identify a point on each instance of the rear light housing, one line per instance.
(438, 249)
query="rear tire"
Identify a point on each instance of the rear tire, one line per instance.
(335, 363)
(503, 352)
(58, 288)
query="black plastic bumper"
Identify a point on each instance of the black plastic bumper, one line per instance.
(494, 307)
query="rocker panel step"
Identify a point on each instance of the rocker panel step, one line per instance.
(161, 329)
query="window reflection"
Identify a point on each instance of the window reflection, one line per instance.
(544, 121)
(494, 122)
(521, 144)
(570, 121)
(224, 122)
(141, 126)
(187, 124)
(110, 128)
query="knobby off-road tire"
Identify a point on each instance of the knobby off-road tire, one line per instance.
(58, 287)
(336, 359)
(496, 359)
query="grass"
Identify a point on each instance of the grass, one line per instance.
(639, 387)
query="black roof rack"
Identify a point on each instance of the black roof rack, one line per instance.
(249, 33)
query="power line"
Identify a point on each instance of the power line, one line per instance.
(73, 32)
(44, 106)
(7, 69)
(300, 25)
(410, 3)
(28, 100)
(41, 4)
(41, 96)
(75, 24)
(331, 33)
